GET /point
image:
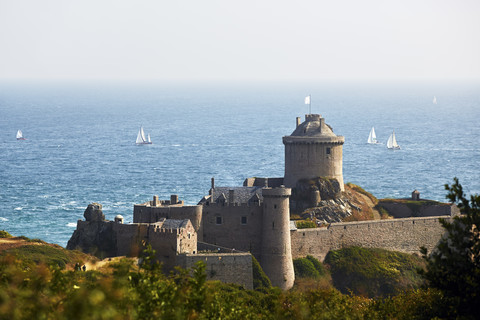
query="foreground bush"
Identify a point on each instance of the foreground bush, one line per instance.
(373, 272)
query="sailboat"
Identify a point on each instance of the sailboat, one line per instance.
(392, 142)
(20, 135)
(434, 100)
(141, 137)
(372, 138)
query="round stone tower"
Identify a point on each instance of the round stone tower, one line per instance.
(276, 252)
(313, 151)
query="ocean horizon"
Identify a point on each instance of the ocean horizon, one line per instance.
(80, 145)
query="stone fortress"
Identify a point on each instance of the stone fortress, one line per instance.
(230, 224)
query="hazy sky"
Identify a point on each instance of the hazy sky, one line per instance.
(239, 40)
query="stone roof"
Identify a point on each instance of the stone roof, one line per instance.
(240, 194)
(172, 223)
(313, 126)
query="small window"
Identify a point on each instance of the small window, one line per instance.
(275, 206)
(244, 220)
(218, 220)
(328, 151)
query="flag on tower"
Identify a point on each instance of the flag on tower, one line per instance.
(307, 99)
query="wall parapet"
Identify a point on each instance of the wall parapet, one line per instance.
(405, 235)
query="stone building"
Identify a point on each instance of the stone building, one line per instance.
(253, 219)
(313, 151)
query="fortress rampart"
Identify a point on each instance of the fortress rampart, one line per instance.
(153, 211)
(236, 226)
(226, 267)
(405, 235)
(402, 210)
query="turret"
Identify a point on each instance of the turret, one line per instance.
(312, 151)
(276, 252)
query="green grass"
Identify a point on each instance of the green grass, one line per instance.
(50, 255)
(373, 272)
(5, 234)
(309, 267)
(305, 224)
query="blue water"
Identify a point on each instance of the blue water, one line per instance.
(81, 149)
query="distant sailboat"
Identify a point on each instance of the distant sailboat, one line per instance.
(20, 135)
(372, 137)
(392, 142)
(434, 100)
(141, 137)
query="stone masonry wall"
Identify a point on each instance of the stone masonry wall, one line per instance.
(405, 235)
(401, 210)
(143, 213)
(232, 233)
(226, 267)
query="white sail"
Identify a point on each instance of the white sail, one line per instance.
(140, 137)
(372, 137)
(392, 142)
(19, 134)
(434, 100)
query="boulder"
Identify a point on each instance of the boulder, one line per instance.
(94, 212)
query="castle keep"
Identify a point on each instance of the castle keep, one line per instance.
(313, 151)
(230, 224)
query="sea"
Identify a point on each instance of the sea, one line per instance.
(80, 142)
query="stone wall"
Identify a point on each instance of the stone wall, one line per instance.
(225, 267)
(405, 235)
(401, 210)
(145, 213)
(168, 243)
(231, 232)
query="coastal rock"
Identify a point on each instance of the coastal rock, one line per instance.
(94, 212)
(95, 235)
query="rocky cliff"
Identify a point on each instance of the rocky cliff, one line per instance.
(322, 200)
(94, 235)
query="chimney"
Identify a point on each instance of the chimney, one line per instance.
(173, 199)
(298, 121)
(155, 201)
(213, 182)
(230, 197)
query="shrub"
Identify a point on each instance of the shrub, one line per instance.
(305, 224)
(373, 272)
(5, 234)
(260, 279)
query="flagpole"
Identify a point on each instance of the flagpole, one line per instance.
(310, 104)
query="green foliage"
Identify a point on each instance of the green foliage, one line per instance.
(46, 254)
(5, 234)
(260, 279)
(318, 265)
(305, 224)
(304, 268)
(373, 272)
(143, 292)
(454, 266)
(308, 267)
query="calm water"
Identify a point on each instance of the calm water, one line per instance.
(81, 149)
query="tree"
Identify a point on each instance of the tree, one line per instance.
(453, 267)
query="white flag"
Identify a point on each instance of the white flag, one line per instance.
(307, 100)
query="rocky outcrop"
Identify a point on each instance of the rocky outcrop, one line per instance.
(322, 200)
(95, 235)
(94, 212)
